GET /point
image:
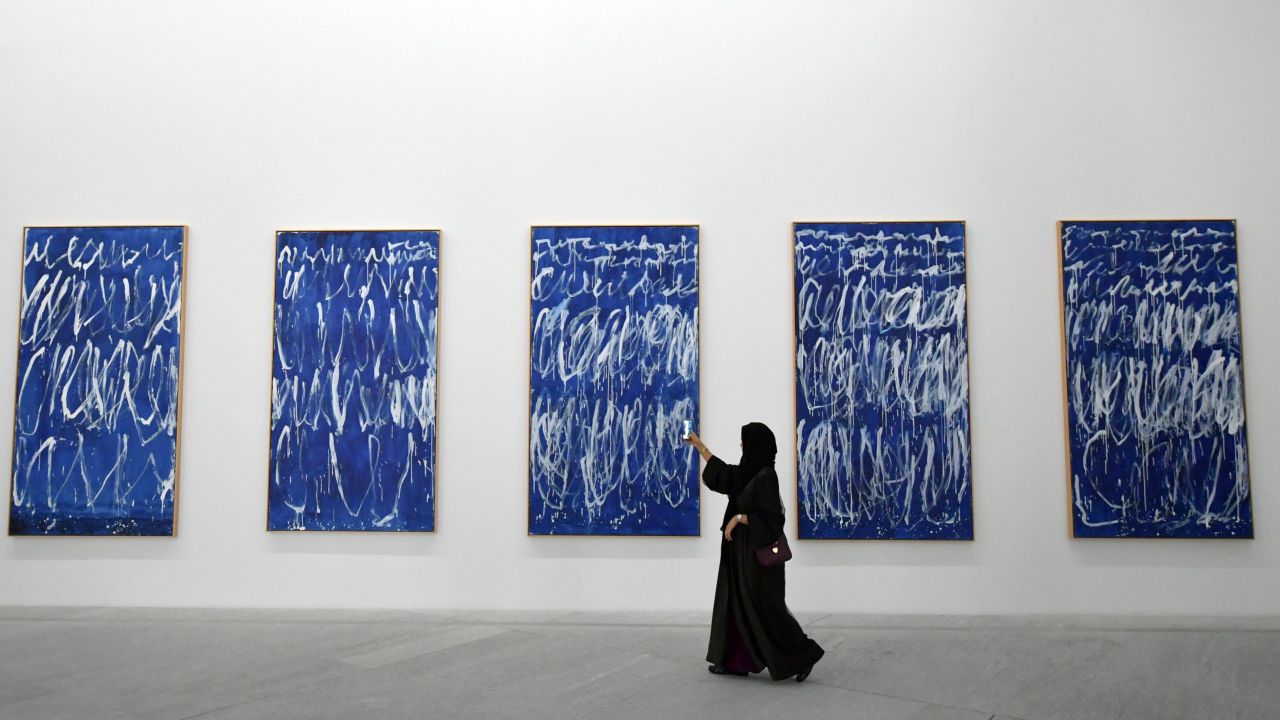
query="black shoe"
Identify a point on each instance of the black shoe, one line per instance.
(722, 670)
(804, 674)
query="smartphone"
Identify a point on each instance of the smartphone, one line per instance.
(688, 428)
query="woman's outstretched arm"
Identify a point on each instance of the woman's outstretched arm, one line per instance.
(698, 445)
(717, 476)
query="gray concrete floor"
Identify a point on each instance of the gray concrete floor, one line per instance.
(149, 664)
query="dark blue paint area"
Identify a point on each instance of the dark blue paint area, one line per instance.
(353, 390)
(96, 425)
(614, 376)
(882, 383)
(1155, 381)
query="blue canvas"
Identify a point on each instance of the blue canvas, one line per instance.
(1155, 382)
(882, 381)
(614, 374)
(95, 448)
(353, 384)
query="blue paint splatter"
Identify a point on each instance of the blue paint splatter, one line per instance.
(353, 411)
(614, 375)
(882, 391)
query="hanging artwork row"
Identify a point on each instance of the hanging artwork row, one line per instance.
(1153, 381)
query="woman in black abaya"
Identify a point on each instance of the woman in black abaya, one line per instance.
(751, 628)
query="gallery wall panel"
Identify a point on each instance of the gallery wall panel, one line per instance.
(239, 118)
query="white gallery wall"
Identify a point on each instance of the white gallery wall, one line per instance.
(481, 118)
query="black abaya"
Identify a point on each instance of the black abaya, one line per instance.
(748, 594)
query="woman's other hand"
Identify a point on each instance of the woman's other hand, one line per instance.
(728, 529)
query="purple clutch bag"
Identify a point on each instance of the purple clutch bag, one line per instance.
(775, 553)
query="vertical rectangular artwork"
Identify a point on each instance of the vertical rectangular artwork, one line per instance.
(353, 383)
(95, 446)
(882, 381)
(1154, 379)
(613, 352)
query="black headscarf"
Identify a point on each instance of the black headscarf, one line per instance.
(759, 449)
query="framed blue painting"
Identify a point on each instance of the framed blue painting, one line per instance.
(98, 401)
(353, 381)
(613, 350)
(1154, 376)
(882, 381)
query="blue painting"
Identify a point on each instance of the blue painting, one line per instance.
(95, 447)
(353, 383)
(1155, 380)
(613, 354)
(882, 381)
